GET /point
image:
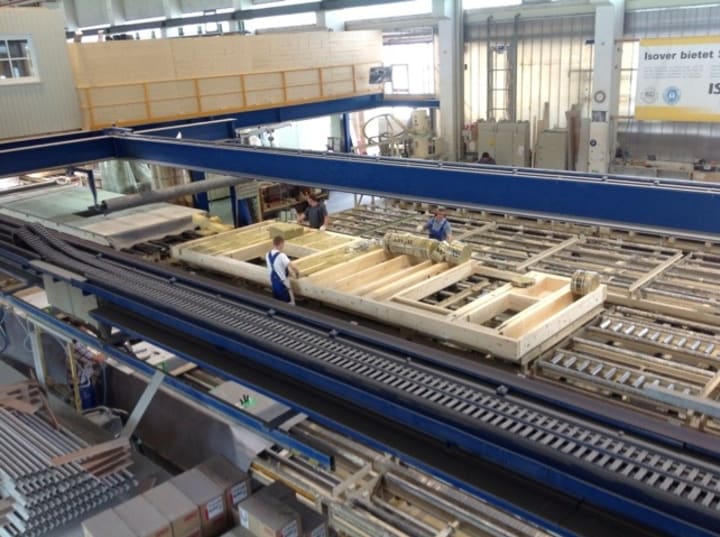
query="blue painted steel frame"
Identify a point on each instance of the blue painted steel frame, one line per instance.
(576, 484)
(675, 206)
(279, 437)
(572, 484)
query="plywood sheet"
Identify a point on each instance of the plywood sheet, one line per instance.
(174, 107)
(168, 90)
(259, 98)
(300, 93)
(127, 113)
(268, 81)
(222, 102)
(300, 78)
(117, 95)
(220, 85)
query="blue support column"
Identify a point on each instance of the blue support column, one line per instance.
(200, 200)
(346, 133)
(234, 206)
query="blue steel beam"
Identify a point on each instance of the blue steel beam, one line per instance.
(572, 480)
(635, 202)
(58, 154)
(48, 139)
(243, 418)
(217, 129)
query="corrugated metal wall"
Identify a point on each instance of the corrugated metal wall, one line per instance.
(50, 105)
(665, 140)
(554, 66)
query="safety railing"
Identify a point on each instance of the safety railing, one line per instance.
(133, 103)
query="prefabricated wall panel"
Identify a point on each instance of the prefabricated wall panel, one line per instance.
(125, 82)
(51, 103)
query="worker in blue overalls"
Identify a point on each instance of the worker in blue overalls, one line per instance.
(438, 227)
(280, 267)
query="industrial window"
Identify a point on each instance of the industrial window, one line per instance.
(16, 61)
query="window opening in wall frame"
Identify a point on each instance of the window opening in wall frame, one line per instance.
(17, 60)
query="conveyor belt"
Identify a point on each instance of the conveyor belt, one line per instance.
(622, 461)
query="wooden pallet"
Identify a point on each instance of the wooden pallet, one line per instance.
(29, 397)
(623, 266)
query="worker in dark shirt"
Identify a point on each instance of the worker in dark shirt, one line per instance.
(315, 215)
(485, 158)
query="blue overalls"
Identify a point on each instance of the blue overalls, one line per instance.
(438, 232)
(279, 290)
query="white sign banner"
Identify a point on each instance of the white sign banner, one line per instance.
(678, 79)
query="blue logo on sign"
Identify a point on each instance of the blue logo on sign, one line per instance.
(671, 95)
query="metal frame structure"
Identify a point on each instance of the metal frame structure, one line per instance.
(680, 206)
(631, 201)
(184, 333)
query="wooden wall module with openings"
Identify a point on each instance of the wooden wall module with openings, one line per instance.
(469, 304)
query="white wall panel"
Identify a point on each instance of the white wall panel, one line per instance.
(92, 12)
(143, 9)
(192, 6)
(50, 105)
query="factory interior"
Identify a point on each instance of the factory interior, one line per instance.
(359, 268)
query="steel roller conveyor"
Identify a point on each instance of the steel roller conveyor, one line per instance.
(683, 492)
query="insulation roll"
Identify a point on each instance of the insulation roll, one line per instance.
(584, 282)
(453, 253)
(408, 244)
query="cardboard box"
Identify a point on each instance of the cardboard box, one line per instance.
(314, 524)
(709, 177)
(208, 496)
(235, 483)
(269, 517)
(238, 532)
(106, 524)
(143, 519)
(182, 513)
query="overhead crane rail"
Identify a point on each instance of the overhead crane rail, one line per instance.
(675, 486)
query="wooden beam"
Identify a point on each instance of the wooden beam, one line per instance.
(396, 285)
(441, 281)
(390, 278)
(637, 284)
(363, 261)
(350, 282)
(546, 253)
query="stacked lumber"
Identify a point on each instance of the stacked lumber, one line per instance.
(37, 495)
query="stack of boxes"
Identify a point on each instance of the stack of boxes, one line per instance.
(205, 502)
(274, 511)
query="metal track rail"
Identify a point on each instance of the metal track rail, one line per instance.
(683, 486)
